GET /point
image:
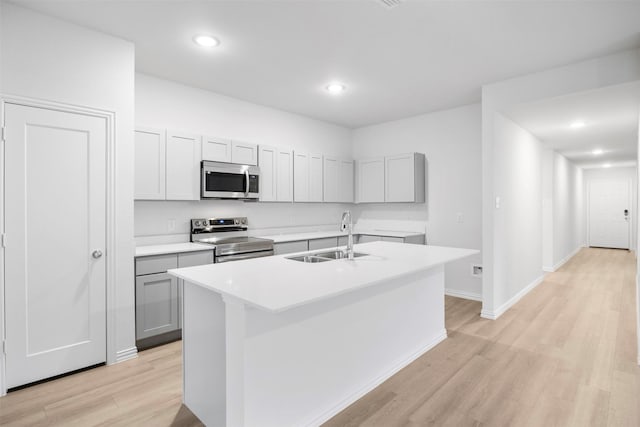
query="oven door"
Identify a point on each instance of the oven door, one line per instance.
(229, 181)
(239, 257)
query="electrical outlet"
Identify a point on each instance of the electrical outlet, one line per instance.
(171, 225)
(459, 217)
(476, 270)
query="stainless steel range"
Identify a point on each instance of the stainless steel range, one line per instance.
(229, 236)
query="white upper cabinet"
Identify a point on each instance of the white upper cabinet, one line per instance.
(315, 178)
(370, 180)
(284, 184)
(276, 174)
(267, 161)
(244, 153)
(150, 146)
(345, 181)
(226, 150)
(405, 178)
(300, 177)
(331, 167)
(183, 154)
(216, 149)
(307, 177)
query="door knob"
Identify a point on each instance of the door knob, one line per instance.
(96, 254)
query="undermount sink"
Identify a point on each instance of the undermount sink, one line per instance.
(323, 256)
(337, 255)
(308, 258)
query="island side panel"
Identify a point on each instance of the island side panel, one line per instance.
(305, 365)
(204, 354)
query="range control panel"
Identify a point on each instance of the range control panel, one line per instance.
(208, 224)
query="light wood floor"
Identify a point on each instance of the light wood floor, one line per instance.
(565, 355)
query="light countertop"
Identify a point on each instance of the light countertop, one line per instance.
(276, 283)
(171, 248)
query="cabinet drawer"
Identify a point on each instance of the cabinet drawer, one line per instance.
(393, 239)
(155, 264)
(290, 247)
(189, 259)
(366, 238)
(329, 242)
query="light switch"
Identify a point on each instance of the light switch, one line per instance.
(459, 217)
(498, 202)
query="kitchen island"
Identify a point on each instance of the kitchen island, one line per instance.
(276, 342)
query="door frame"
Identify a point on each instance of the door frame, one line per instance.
(110, 248)
(631, 208)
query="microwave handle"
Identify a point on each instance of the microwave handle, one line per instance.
(246, 187)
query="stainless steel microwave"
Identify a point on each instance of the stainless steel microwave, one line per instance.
(229, 181)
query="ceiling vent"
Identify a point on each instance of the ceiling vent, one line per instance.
(390, 4)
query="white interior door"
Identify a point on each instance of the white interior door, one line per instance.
(55, 223)
(609, 213)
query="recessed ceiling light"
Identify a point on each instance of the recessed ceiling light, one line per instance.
(597, 151)
(606, 165)
(335, 88)
(577, 124)
(205, 40)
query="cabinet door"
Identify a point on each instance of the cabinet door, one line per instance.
(268, 165)
(216, 149)
(150, 146)
(156, 305)
(330, 179)
(399, 178)
(244, 153)
(366, 238)
(190, 259)
(300, 177)
(329, 242)
(315, 178)
(290, 247)
(370, 180)
(345, 184)
(183, 166)
(284, 174)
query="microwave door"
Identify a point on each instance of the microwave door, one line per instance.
(224, 184)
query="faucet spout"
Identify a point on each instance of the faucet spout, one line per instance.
(347, 224)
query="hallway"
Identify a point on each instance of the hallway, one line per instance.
(565, 355)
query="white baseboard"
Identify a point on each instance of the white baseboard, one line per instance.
(494, 314)
(326, 416)
(563, 261)
(463, 294)
(127, 354)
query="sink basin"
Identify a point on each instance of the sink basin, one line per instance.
(308, 258)
(337, 254)
(323, 256)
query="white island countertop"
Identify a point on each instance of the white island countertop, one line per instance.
(276, 283)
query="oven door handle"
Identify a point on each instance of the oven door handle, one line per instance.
(246, 187)
(227, 258)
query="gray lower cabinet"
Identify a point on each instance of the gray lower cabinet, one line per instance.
(156, 305)
(290, 247)
(328, 242)
(159, 296)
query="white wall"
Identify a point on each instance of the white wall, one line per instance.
(518, 213)
(451, 142)
(547, 209)
(49, 59)
(628, 173)
(568, 211)
(164, 104)
(605, 71)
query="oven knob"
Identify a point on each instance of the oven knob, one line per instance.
(236, 221)
(244, 221)
(197, 223)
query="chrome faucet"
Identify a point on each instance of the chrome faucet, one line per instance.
(347, 223)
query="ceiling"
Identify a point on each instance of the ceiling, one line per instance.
(610, 118)
(418, 57)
